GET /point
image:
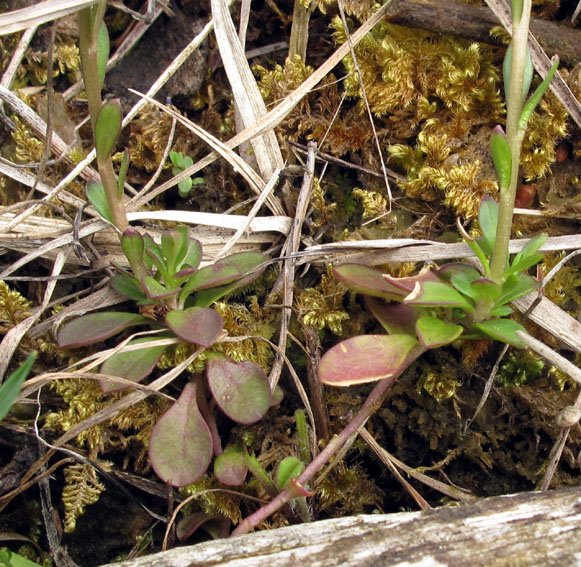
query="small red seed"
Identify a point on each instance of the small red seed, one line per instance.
(524, 196)
(562, 152)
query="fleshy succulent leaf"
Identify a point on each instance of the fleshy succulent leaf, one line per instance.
(133, 365)
(193, 254)
(174, 245)
(368, 358)
(368, 281)
(434, 332)
(230, 467)
(198, 325)
(241, 389)
(180, 448)
(155, 290)
(438, 294)
(394, 317)
(96, 327)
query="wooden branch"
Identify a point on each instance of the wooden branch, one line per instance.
(473, 22)
(528, 530)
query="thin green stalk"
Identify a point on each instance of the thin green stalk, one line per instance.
(514, 136)
(89, 23)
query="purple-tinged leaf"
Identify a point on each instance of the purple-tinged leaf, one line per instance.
(230, 467)
(128, 286)
(193, 254)
(210, 276)
(277, 396)
(502, 330)
(368, 358)
(448, 271)
(96, 327)
(438, 294)
(434, 332)
(368, 281)
(180, 448)
(198, 325)
(395, 318)
(134, 365)
(188, 525)
(241, 389)
(407, 284)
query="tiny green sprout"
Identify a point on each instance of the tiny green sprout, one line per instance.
(181, 163)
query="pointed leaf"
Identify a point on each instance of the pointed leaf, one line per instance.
(122, 173)
(368, 358)
(368, 281)
(134, 365)
(501, 311)
(408, 284)
(528, 257)
(107, 128)
(434, 332)
(288, 468)
(12, 385)
(501, 156)
(241, 390)
(230, 467)
(180, 448)
(462, 281)
(394, 317)
(516, 286)
(502, 330)
(96, 327)
(198, 325)
(447, 271)
(210, 276)
(102, 51)
(438, 294)
(536, 96)
(96, 196)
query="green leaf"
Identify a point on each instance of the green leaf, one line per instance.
(122, 173)
(536, 97)
(516, 286)
(102, 52)
(174, 245)
(462, 281)
(528, 72)
(198, 325)
(516, 7)
(185, 186)
(96, 327)
(288, 468)
(134, 365)
(11, 387)
(438, 294)
(368, 358)
(128, 286)
(96, 196)
(180, 448)
(528, 257)
(241, 389)
(434, 332)
(501, 156)
(486, 289)
(501, 311)
(230, 467)
(155, 290)
(11, 559)
(488, 221)
(133, 246)
(193, 254)
(107, 128)
(502, 330)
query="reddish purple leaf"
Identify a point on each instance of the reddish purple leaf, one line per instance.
(368, 358)
(394, 317)
(241, 390)
(230, 467)
(198, 325)
(96, 327)
(368, 281)
(180, 448)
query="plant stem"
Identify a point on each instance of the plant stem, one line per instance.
(89, 23)
(370, 406)
(514, 136)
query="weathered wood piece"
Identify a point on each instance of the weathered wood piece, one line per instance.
(528, 529)
(474, 22)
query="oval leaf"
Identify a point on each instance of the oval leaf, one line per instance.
(368, 358)
(180, 448)
(96, 327)
(198, 325)
(502, 330)
(96, 196)
(288, 468)
(107, 128)
(134, 365)
(241, 390)
(230, 467)
(501, 156)
(395, 318)
(438, 294)
(368, 281)
(434, 332)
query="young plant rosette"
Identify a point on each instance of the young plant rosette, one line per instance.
(174, 296)
(435, 308)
